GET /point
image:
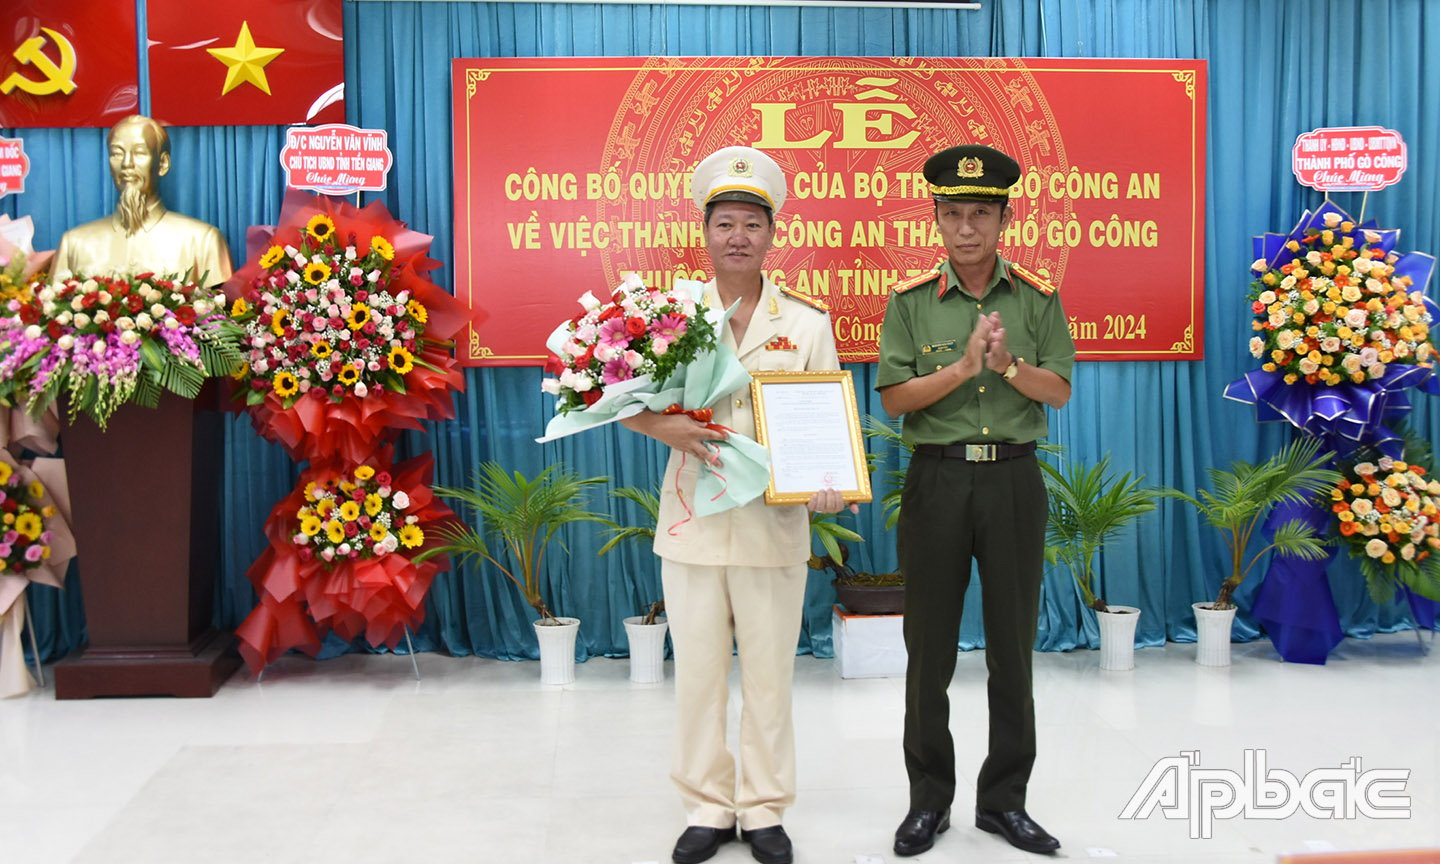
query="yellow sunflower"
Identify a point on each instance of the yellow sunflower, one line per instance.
(364, 472)
(316, 272)
(278, 320)
(325, 507)
(239, 307)
(321, 349)
(310, 526)
(411, 536)
(335, 531)
(29, 525)
(418, 311)
(241, 371)
(359, 316)
(373, 503)
(350, 511)
(320, 227)
(349, 374)
(401, 361)
(36, 489)
(379, 532)
(272, 256)
(285, 385)
(382, 247)
(310, 491)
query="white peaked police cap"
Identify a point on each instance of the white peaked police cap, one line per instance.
(738, 174)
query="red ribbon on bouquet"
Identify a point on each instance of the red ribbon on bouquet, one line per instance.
(701, 415)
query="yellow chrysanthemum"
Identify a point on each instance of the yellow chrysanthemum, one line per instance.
(310, 526)
(411, 536)
(5, 472)
(239, 307)
(349, 374)
(37, 489)
(278, 321)
(272, 256)
(418, 311)
(316, 272)
(373, 503)
(335, 531)
(285, 385)
(29, 525)
(382, 247)
(401, 361)
(320, 227)
(321, 349)
(379, 532)
(359, 316)
(364, 472)
(350, 511)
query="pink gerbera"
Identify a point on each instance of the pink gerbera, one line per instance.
(668, 327)
(613, 332)
(616, 370)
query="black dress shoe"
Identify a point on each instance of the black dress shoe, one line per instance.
(700, 843)
(917, 833)
(1017, 828)
(769, 845)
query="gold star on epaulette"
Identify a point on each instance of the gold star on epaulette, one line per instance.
(918, 280)
(805, 298)
(1034, 280)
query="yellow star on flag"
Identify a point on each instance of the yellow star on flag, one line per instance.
(245, 61)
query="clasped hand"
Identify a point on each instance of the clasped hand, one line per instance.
(986, 347)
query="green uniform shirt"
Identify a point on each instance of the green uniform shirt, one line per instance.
(926, 328)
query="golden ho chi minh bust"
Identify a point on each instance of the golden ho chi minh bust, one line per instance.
(142, 235)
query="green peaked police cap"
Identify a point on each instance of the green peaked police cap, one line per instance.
(971, 172)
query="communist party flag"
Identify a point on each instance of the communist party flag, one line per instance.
(66, 63)
(246, 62)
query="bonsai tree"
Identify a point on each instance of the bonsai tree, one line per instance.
(1245, 493)
(649, 503)
(523, 514)
(1089, 506)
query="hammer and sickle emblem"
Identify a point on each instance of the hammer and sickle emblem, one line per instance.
(59, 77)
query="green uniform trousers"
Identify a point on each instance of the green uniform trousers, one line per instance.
(953, 511)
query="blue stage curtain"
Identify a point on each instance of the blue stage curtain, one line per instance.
(1270, 78)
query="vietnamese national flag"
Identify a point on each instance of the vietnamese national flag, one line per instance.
(246, 62)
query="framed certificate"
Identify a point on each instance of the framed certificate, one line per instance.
(810, 425)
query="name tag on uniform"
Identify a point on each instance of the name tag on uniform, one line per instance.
(781, 343)
(938, 347)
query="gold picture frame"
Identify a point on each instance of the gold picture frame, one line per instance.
(811, 426)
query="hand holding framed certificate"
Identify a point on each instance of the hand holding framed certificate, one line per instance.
(809, 423)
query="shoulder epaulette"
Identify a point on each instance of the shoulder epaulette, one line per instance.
(918, 280)
(806, 299)
(1034, 280)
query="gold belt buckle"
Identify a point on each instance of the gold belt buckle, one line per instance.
(979, 452)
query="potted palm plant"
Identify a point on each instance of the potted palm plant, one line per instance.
(523, 514)
(1088, 507)
(646, 632)
(1242, 496)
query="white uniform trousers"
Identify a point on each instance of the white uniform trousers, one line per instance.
(761, 608)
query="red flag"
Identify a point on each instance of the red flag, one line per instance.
(246, 62)
(67, 63)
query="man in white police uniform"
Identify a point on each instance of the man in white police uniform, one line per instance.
(737, 575)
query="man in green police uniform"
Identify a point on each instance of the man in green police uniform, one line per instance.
(970, 354)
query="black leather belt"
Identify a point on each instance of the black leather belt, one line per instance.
(976, 452)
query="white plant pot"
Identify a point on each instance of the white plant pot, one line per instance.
(1212, 629)
(557, 650)
(1117, 637)
(647, 649)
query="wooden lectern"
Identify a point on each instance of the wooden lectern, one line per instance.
(145, 502)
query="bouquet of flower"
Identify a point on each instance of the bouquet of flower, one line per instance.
(1387, 513)
(25, 542)
(1332, 308)
(109, 340)
(657, 351)
(22, 269)
(341, 557)
(36, 545)
(354, 516)
(345, 339)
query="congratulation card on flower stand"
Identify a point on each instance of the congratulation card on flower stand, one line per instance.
(809, 423)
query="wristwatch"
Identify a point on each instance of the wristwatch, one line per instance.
(1012, 369)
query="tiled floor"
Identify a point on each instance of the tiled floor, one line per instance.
(353, 760)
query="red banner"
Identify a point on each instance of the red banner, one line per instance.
(336, 159)
(246, 62)
(14, 165)
(1349, 158)
(67, 63)
(569, 172)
